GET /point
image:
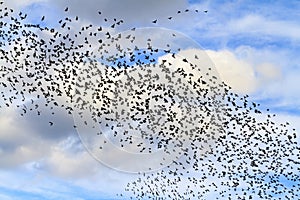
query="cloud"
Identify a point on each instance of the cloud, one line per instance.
(232, 24)
(259, 25)
(23, 140)
(28, 148)
(236, 73)
(16, 144)
(268, 72)
(21, 184)
(135, 10)
(270, 77)
(276, 71)
(251, 19)
(21, 4)
(243, 75)
(64, 162)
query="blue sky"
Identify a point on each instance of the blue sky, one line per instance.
(255, 46)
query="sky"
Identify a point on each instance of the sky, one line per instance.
(253, 44)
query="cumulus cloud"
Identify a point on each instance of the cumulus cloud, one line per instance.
(277, 71)
(242, 75)
(236, 73)
(248, 70)
(268, 72)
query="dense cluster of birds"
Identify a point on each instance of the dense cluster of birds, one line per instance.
(144, 99)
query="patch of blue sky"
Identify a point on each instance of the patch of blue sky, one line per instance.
(274, 104)
(258, 39)
(275, 186)
(232, 42)
(286, 110)
(39, 9)
(222, 23)
(253, 6)
(141, 56)
(33, 184)
(262, 41)
(282, 187)
(46, 193)
(18, 194)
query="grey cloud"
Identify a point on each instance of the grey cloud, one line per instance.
(133, 11)
(62, 124)
(28, 138)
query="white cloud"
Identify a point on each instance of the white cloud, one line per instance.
(268, 72)
(71, 165)
(253, 20)
(237, 73)
(243, 75)
(256, 24)
(277, 72)
(263, 73)
(22, 4)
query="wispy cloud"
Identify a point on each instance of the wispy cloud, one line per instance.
(257, 25)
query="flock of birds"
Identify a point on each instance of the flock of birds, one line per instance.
(228, 147)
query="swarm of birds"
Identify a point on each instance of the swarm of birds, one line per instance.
(154, 103)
